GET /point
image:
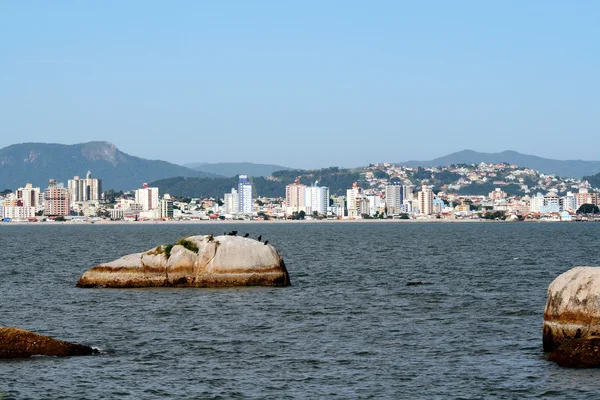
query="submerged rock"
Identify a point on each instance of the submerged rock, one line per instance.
(19, 343)
(573, 307)
(578, 353)
(196, 261)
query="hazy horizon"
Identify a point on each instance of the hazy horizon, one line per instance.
(303, 85)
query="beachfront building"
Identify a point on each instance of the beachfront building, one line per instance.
(166, 207)
(295, 197)
(147, 197)
(536, 203)
(394, 196)
(87, 189)
(316, 199)
(353, 200)
(30, 196)
(245, 194)
(56, 199)
(426, 200)
(231, 202)
(569, 202)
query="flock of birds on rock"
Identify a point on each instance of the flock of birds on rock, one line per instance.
(234, 233)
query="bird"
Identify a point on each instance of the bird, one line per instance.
(210, 237)
(260, 237)
(246, 235)
(266, 241)
(233, 233)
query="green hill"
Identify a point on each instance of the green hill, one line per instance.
(566, 168)
(234, 169)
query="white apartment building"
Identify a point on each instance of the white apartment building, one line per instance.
(231, 202)
(375, 203)
(353, 197)
(147, 197)
(30, 196)
(245, 194)
(316, 199)
(88, 189)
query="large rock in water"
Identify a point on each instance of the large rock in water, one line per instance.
(196, 261)
(19, 343)
(577, 353)
(573, 307)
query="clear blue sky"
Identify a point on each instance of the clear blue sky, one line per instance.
(303, 84)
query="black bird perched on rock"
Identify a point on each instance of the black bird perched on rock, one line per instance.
(260, 237)
(233, 233)
(266, 241)
(246, 235)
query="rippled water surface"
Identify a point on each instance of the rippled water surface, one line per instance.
(349, 327)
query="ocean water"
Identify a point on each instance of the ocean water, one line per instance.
(349, 327)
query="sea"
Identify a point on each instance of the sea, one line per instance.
(349, 327)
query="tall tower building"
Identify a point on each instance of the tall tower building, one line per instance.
(147, 197)
(316, 198)
(245, 194)
(87, 189)
(56, 200)
(426, 200)
(295, 197)
(231, 202)
(353, 200)
(30, 196)
(394, 196)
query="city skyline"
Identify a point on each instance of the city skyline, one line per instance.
(356, 84)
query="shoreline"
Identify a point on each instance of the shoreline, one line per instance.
(326, 221)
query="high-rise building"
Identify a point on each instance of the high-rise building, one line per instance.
(295, 198)
(353, 200)
(245, 194)
(426, 200)
(56, 199)
(87, 189)
(316, 199)
(231, 202)
(394, 196)
(147, 197)
(30, 196)
(569, 202)
(166, 207)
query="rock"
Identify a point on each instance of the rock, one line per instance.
(19, 343)
(196, 261)
(573, 307)
(415, 283)
(577, 353)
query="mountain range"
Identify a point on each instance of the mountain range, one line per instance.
(36, 163)
(563, 168)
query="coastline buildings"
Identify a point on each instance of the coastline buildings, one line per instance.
(147, 197)
(426, 200)
(354, 200)
(245, 194)
(82, 190)
(394, 196)
(231, 202)
(166, 207)
(30, 196)
(295, 198)
(56, 199)
(316, 199)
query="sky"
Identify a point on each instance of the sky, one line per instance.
(303, 84)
